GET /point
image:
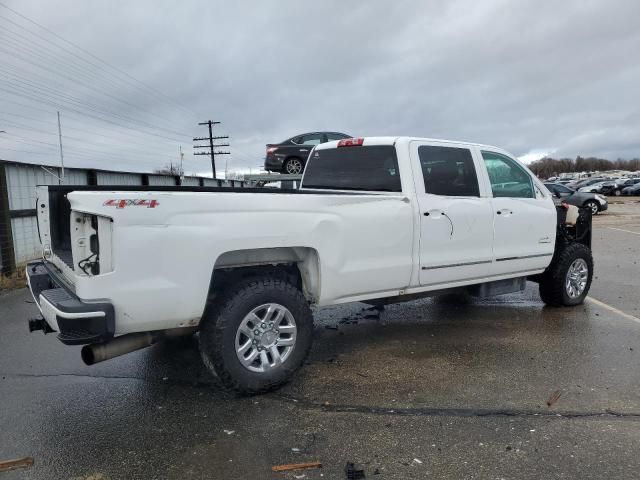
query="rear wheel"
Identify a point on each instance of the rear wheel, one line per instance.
(567, 280)
(258, 335)
(593, 206)
(293, 166)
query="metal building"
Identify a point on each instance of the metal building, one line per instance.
(19, 240)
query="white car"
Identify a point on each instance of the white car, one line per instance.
(377, 220)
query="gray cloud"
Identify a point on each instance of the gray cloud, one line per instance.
(532, 76)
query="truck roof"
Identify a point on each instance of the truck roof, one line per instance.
(391, 140)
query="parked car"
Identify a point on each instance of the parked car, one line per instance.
(619, 185)
(595, 202)
(607, 188)
(376, 220)
(585, 183)
(599, 187)
(632, 190)
(291, 155)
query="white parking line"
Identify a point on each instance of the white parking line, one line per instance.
(613, 309)
(623, 230)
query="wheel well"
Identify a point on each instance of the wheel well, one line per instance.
(298, 265)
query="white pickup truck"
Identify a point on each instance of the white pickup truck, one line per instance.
(376, 220)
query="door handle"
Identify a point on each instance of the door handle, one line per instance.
(504, 211)
(435, 213)
(304, 149)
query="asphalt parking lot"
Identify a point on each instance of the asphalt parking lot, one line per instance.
(437, 388)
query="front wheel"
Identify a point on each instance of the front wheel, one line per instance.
(567, 280)
(258, 335)
(593, 206)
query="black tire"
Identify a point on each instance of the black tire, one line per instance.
(593, 206)
(219, 327)
(552, 284)
(293, 166)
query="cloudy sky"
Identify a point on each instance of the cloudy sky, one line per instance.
(533, 77)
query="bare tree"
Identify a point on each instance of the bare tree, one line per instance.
(549, 167)
(170, 169)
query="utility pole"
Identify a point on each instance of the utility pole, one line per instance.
(61, 179)
(181, 167)
(212, 147)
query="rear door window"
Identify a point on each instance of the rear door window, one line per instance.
(448, 171)
(373, 168)
(313, 139)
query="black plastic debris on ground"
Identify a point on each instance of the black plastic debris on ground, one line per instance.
(352, 472)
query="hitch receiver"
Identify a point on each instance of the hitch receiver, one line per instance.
(39, 324)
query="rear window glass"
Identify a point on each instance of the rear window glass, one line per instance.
(448, 171)
(373, 168)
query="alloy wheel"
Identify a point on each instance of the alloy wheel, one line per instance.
(294, 166)
(576, 279)
(266, 337)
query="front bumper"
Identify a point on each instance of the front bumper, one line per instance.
(77, 322)
(604, 206)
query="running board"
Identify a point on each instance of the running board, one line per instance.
(499, 287)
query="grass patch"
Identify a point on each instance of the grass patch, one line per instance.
(14, 280)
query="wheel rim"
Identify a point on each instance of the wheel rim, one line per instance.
(594, 208)
(294, 166)
(576, 279)
(266, 337)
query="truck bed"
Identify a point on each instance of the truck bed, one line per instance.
(60, 210)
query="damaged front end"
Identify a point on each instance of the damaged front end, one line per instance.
(574, 225)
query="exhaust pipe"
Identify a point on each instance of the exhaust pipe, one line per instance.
(99, 352)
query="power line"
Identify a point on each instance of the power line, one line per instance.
(25, 84)
(53, 103)
(118, 130)
(70, 147)
(91, 88)
(124, 74)
(78, 69)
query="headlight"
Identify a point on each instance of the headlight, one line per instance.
(602, 198)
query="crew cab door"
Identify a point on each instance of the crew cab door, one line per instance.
(456, 216)
(524, 217)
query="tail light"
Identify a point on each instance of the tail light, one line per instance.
(271, 149)
(351, 142)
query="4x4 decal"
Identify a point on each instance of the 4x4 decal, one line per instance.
(135, 202)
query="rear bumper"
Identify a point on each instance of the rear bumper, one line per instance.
(273, 163)
(76, 322)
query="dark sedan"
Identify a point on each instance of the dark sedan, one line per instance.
(620, 185)
(291, 155)
(595, 202)
(632, 190)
